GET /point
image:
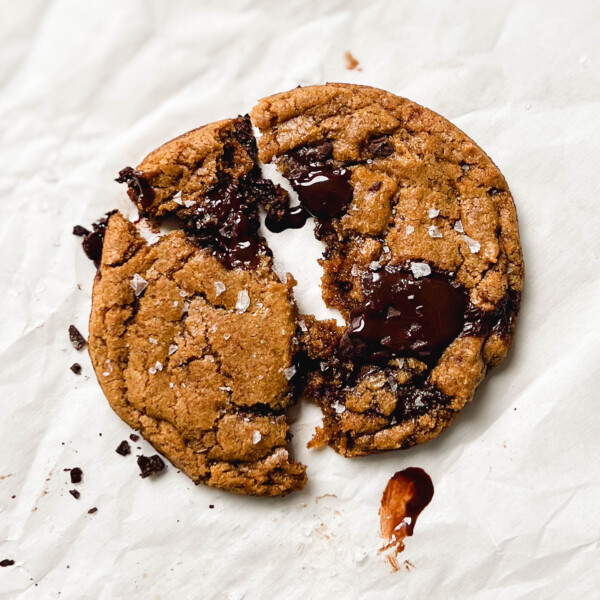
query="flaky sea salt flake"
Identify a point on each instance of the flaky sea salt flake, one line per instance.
(434, 232)
(458, 226)
(256, 437)
(219, 288)
(138, 284)
(410, 230)
(243, 301)
(420, 269)
(474, 245)
(432, 213)
(289, 372)
(173, 348)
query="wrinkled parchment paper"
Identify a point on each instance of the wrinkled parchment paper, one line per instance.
(89, 87)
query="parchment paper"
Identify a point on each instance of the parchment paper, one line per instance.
(89, 87)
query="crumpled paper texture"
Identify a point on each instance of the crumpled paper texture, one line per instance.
(87, 88)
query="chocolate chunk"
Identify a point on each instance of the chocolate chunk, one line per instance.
(139, 187)
(92, 511)
(380, 146)
(78, 341)
(404, 316)
(76, 368)
(123, 448)
(75, 494)
(93, 242)
(80, 231)
(149, 465)
(244, 136)
(7, 562)
(134, 437)
(211, 506)
(376, 186)
(76, 475)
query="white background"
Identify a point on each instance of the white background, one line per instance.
(89, 87)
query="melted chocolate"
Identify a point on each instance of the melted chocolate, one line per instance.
(94, 241)
(404, 316)
(407, 493)
(225, 222)
(380, 146)
(139, 188)
(324, 191)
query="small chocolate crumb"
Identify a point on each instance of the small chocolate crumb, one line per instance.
(76, 368)
(13, 497)
(211, 506)
(80, 231)
(134, 438)
(75, 494)
(76, 475)
(149, 465)
(376, 186)
(78, 341)
(92, 511)
(123, 448)
(7, 562)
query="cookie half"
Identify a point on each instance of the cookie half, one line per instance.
(422, 257)
(193, 337)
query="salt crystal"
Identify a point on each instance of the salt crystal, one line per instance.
(177, 198)
(189, 203)
(420, 269)
(152, 371)
(173, 348)
(432, 213)
(226, 336)
(302, 326)
(410, 230)
(354, 270)
(289, 372)
(458, 226)
(225, 388)
(175, 303)
(434, 232)
(243, 301)
(474, 245)
(256, 437)
(338, 407)
(106, 373)
(153, 340)
(374, 265)
(171, 385)
(183, 293)
(158, 366)
(138, 284)
(219, 288)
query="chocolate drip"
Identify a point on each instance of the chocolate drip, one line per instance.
(139, 188)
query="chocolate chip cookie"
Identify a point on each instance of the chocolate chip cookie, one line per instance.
(193, 336)
(422, 257)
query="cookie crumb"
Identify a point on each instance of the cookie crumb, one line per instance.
(76, 368)
(123, 448)
(80, 231)
(78, 341)
(351, 62)
(138, 284)
(76, 475)
(149, 465)
(75, 494)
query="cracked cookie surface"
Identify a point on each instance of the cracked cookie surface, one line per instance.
(426, 203)
(179, 345)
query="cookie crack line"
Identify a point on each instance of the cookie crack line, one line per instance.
(369, 166)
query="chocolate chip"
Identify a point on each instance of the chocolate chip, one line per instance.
(7, 562)
(92, 511)
(75, 494)
(80, 231)
(380, 146)
(78, 341)
(123, 448)
(76, 368)
(76, 475)
(149, 465)
(134, 438)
